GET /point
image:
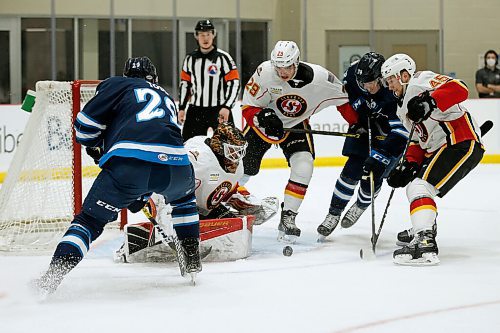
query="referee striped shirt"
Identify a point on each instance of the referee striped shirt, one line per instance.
(209, 80)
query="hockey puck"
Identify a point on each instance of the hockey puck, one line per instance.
(287, 251)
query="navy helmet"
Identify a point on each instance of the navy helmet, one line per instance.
(369, 68)
(140, 67)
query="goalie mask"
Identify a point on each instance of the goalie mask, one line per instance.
(369, 69)
(140, 67)
(228, 142)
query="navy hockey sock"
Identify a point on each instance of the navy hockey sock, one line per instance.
(343, 192)
(185, 217)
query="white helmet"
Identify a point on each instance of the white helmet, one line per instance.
(285, 53)
(397, 63)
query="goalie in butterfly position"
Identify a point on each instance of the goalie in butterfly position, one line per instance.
(445, 146)
(140, 150)
(217, 169)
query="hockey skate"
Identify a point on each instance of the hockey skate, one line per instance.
(49, 282)
(406, 236)
(352, 216)
(422, 251)
(326, 228)
(288, 231)
(191, 248)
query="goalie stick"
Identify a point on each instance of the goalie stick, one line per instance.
(484, 129)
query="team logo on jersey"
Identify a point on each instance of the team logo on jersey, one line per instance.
(215, 198)
(422, 132)
(163, 157)
(291, 105)
(212, 70)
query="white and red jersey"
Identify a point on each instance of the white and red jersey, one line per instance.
(213, 183)
(448, 124)
(313, 89)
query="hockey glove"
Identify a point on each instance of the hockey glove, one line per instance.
(137, 205)
(95, 152)
(421, 106)
(357, 129)
(376, 163)
(269, 121)
(404, 174)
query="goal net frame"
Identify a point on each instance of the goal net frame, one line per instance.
(39, 229)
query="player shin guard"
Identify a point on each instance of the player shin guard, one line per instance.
(423, 212)
(294, 194)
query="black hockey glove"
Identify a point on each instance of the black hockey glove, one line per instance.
(357, 129)
(138, 204)
(376, 163)
(404, 174)
(269, 121)
(95, 152)
(421, 106)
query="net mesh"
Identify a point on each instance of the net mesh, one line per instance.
(36, 199)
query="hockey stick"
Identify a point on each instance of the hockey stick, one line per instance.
(166, 239)
(310, 131)
(401, 161)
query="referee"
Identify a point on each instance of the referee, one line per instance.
(209, 81)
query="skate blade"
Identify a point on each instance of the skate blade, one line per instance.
(284, 238)
(321, 238)
(427, 259)
(193, 278)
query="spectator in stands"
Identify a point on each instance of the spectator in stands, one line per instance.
(488, 77)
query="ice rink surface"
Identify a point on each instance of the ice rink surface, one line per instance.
(320, 288)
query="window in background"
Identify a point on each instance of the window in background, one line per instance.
(36, 51)
(4, 68)
(153, 38)
(121, 47)
(253, 50)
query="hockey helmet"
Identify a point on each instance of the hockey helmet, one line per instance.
(140, 67)
(285, 54)
(204, 25)
(369, 68)
(228, 141)
(398, 63)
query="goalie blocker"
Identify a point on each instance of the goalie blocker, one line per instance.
(221, 240)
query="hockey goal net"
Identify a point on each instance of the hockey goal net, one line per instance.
(49, 174)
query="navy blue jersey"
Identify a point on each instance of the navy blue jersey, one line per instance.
(131, 117)
(382, 108)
